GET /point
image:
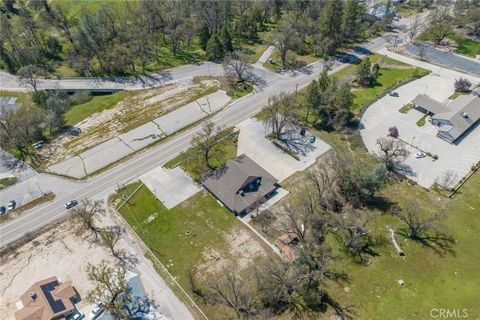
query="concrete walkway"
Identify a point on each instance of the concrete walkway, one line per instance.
(127, 143)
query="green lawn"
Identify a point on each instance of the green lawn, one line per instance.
(421, 121)
(75, 7)
(406, 108)
(184, 237)
(6, 182)
(295, 59)
(96, 104)
(191, 160)
(392, 74)
(432, 280)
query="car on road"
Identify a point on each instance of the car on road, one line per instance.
(2, 210)
(11, 205)
(71, 204)
(393, 94)
(95, 312)
(420, 155)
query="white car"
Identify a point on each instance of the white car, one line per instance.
(95, 312)
(420, 155)
(77, 315)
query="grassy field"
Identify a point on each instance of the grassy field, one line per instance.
(182, 236)
(96, 104)
(465, 45)
(191, 160)
(432, 280)
(296, 61)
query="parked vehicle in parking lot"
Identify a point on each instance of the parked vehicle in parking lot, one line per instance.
(393, 94)
(71, 204)
(420, 155)
(77, 315)
(95, 312)
(2, 210)
(11, 205)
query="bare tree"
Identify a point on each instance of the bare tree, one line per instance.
(440, 24)
(206, 140)
(426, 230)
(285, 39)
(414, 27)
(447, 180)
(109, 237)
(280, 112)
(113, 294)
(392, 152)
(86, 215)
(30, 74)
(20, 129)
(236, 65)
(231, 290)
(265, 220)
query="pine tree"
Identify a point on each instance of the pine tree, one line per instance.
(350, 20)
(226, 39)
(204, 36)
(331, 24)
(214, 50)
(312, 98)
(364, 73)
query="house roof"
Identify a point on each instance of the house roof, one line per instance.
(463, 112)
(429, 104)
(46, 299)
(240, 183)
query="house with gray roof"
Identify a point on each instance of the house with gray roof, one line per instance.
(453, 119)
(241, 185)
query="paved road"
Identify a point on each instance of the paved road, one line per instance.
(160, 154)
(447, 59)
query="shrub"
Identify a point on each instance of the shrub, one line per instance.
(435, 157)
(40, 97)
(462, 85)
(80, 97)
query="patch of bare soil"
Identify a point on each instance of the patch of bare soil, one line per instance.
(134, 110)
(56, 253)
(243, 250)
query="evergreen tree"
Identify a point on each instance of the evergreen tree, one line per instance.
(312, 98)
(364, 73)
(226, 39)
(330, 27)
(215, 51)
(204, 36)
(350, 20)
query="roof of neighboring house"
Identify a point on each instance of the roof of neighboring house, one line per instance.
(463, 112)
(429, 104)
(240, 183)
(46, 299)
(8, 105)
(380, 10)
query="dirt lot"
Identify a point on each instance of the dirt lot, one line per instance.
(136, 109)
(56, 253)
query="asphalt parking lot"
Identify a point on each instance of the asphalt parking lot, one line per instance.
(281, 165)
(455, 159)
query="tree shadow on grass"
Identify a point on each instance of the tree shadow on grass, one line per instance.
(439, 242)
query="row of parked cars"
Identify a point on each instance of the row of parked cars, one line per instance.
(94, 314)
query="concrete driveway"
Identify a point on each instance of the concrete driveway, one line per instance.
(383, 114)
(171, 187)
(252, 142)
